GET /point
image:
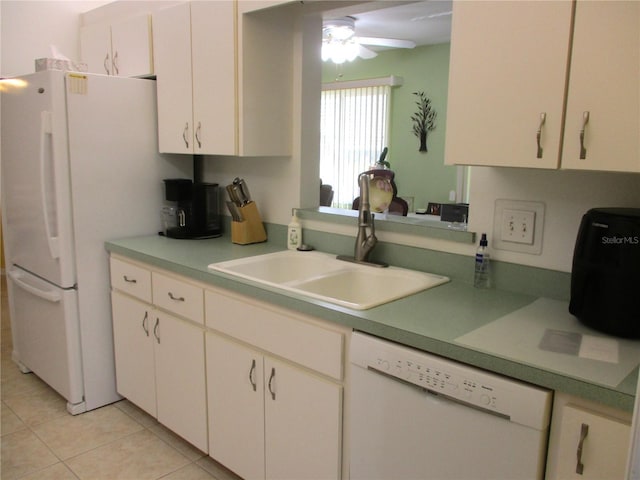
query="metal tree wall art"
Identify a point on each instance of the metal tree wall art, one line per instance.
(424, 120)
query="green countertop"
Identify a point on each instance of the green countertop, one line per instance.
(431, 320)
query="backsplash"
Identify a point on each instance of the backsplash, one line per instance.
(506, 276)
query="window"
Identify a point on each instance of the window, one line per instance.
(353, 132)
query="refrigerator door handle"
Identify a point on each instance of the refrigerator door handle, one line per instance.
(49, 295)
(46, 130)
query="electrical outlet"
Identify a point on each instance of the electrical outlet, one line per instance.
(518, 226)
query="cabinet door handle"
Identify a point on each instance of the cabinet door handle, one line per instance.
(145, 323)
(116, 70)
(105, 64)
(584, 431)
(177, 299)
(156, 330)
(543, 118)
(129, 280)
(252, 372)
(272, 378)
(185, 134)
(198, 129)
(583, 150)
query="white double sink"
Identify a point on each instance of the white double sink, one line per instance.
(322, 276)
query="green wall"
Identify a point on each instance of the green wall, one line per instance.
(421, 175)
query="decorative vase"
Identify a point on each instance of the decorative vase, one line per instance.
(423, 142)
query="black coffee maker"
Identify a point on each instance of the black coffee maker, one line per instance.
(196, 208)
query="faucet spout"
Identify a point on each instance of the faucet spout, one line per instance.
(366, 239)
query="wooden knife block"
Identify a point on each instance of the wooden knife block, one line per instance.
(251, 229)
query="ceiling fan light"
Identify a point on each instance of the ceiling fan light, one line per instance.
(339, 52)
(351, 51)
(340, 33)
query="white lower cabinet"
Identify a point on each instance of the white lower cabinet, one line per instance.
(258, 387)
(160, 366)
(302, 424)
(180, 378)
(587, 442)
(269, 419)
(134, 351)
(236, 406)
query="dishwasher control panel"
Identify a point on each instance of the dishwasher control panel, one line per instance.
(517, 401)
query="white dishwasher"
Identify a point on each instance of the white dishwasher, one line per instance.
(418, 416)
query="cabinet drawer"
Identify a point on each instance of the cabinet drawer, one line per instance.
(131, 279)
(288, 336)
(178, 297)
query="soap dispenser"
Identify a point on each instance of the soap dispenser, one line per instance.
(294, 233)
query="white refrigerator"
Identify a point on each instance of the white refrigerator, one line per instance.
(80, 165)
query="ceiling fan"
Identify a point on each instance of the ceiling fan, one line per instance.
(340, 43)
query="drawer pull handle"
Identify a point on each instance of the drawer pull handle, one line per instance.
(272, 377)
(583, 150)
(156, 330)
(252, 372)
(177, 299)
(584, 431)
(129, 280)
(145, 323)
(543, 118)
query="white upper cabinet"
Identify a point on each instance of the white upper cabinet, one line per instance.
(122, 48)
(224, 79)
(508, 67)
(172, 59)
(604, 81)
(508, 85)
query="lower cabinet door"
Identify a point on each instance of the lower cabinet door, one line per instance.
(180, 378)
(236, 406)
(133, 345)
(591, 446)
(303, 415)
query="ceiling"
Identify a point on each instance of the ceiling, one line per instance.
(426, 22)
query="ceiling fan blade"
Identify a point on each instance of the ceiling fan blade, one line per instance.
(385, 42)
(365, 53)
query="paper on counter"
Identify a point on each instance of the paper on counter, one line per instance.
(544, 334)
(599, 348)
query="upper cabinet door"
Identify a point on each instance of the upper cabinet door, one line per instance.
(172, 55)
(95, 47)
(121, 48)
(605, 82)
(507, 73)
(213, 51)
(131, 46)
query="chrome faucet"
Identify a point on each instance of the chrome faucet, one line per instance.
(366, 238)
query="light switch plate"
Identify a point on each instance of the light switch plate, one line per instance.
(518, 226)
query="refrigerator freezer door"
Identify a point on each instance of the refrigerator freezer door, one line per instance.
(47, 337)
(35, 176)
(116, 191)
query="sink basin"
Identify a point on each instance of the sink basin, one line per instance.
(322, 276)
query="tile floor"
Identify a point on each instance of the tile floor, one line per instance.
(40, 440)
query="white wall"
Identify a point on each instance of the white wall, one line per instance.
(29, 28)
(567, 195)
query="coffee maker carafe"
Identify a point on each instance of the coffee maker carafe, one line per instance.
(196, 209)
